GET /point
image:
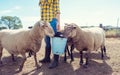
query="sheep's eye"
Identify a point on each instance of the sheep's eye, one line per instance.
(74, 27)
(45, 26)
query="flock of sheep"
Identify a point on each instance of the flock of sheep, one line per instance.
(22, 41)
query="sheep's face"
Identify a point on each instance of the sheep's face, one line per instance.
(70, 30)
(47, 29)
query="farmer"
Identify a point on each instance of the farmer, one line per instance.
(50, 12)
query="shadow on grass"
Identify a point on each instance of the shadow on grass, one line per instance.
(62, 69)
(94, 68)
(8, 66)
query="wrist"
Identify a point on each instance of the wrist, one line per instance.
(58, 27)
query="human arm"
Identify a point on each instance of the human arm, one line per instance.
(57, 12)
(58, 19)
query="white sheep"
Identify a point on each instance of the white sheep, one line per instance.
(85, 39)
(22, 41)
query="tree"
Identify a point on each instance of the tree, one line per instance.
(1, 26)
(0, 22)
(11, 22)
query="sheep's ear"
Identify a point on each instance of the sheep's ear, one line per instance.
(66, 23)
(42, 23)
(46, 23)
(65, 26)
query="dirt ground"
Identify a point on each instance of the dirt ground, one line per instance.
(110, 66)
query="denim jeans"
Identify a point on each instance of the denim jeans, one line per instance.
(53, 24)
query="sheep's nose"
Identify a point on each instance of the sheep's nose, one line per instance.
(53, 34)
(64, 35)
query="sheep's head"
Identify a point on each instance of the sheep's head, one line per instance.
(46, 27)
(42, 28)
(70, 30)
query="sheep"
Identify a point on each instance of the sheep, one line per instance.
(22, 41)
(30, 52)
(86, 40)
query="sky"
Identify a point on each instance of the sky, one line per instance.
(81, 12)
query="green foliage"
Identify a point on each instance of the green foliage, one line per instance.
(11, 22)
(2, 28)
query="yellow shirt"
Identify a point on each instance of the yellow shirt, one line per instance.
(49, 9)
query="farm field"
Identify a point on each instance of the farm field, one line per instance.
(110, 65)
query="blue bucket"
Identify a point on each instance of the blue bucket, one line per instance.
(58, 45)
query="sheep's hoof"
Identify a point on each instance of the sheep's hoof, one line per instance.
(102, 58)
(85, 66)
(38, 67)
(1, 64)
(14, 60)
(71, 61)
(81, 63)
(65, 60)
(18, 71)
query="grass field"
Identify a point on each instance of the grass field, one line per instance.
(113, 33)
(110, 65)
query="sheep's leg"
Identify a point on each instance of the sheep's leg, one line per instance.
(13, 58)
(68, 51)
(1, 49)
(104, 49)
(30, 53)
(72, 47)
(36, 64)
(21, 66)
(81, 57)
(0, 58)
(65, 57)
(102, 56)
(87, 59)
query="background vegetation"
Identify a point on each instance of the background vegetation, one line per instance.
(113, 33)
(10, 22)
